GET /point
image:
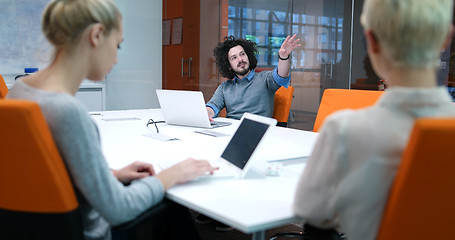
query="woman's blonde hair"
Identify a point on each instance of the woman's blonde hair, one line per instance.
(411, 32)
(64, 20)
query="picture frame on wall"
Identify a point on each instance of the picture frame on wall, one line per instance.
(177, 31)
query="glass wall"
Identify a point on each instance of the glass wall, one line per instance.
(268, 28)
(333, 56)
(324, 27)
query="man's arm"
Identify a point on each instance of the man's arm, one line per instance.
(284, 63)
(216, 103)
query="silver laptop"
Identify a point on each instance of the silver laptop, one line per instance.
(185, 108)
(234, 161)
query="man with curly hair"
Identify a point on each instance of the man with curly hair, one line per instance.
(247, 90)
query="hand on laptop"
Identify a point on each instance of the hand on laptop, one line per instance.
(211, 113)
(133, 171)
(184, 172)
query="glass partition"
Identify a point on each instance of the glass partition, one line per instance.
(324, 28)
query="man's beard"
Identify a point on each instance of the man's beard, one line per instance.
(244, 71)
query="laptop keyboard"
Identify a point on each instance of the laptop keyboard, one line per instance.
(219, 124)
(225, 170)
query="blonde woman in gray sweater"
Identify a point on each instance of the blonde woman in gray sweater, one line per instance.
(86, 35)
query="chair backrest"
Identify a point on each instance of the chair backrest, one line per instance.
(282, 104)
(37, 196)
(3, 88)
(262, 69)
(421, 200)
(338, 99)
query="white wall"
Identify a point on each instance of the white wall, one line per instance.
(133, 80)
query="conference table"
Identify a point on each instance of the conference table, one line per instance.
(249, 205)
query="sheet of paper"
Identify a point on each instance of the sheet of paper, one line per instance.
(160, 137)
(177, 30)
(122, 119)
(166, 32)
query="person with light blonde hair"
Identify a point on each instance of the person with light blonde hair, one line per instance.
(86, 35)
(347, 178)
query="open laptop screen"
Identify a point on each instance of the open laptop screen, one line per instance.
(244, 142)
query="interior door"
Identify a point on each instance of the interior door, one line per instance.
(181, 55)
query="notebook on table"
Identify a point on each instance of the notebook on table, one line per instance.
(235, 162)
(185, 108)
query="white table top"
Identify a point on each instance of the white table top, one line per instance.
(249, 205)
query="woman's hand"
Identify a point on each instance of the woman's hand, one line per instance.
(133, 171)
(184, 171)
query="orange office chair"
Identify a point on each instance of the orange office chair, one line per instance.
(3, 88)
(421, 200)
(37, 198)
(338, 99)
(282, 105)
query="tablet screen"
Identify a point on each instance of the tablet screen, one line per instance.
(244, 142)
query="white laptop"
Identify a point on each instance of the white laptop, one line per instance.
(185, 108)
(234, 161)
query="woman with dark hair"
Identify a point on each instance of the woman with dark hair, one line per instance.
(246, 90)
